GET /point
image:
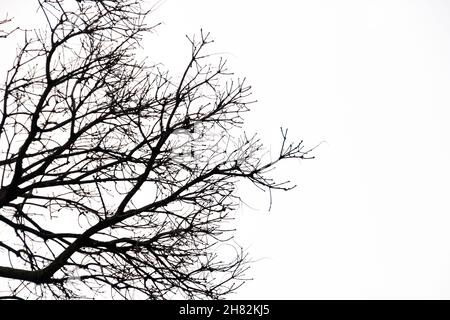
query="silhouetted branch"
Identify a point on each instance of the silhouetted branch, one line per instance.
(5, 32)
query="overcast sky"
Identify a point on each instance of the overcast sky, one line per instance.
(370, 80)
(371, 216)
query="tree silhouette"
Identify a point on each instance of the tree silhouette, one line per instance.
(113, 174)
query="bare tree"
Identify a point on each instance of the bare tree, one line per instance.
(115, 175)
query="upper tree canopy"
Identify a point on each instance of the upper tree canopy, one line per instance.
(114, 175)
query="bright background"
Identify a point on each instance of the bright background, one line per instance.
(371, 215)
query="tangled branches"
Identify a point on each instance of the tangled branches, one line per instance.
(112, 173)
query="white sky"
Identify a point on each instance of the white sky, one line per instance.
(371, 215)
